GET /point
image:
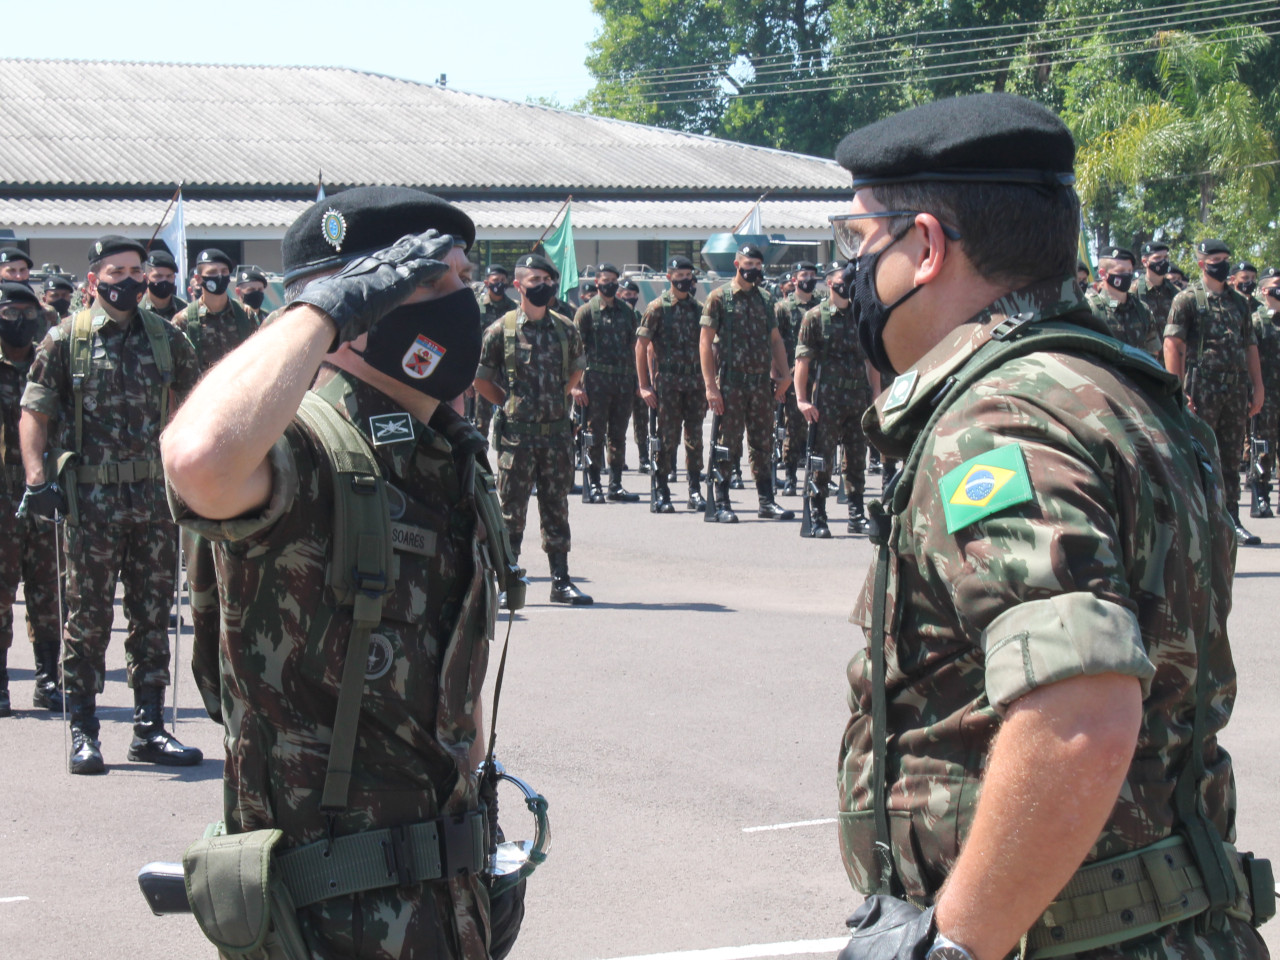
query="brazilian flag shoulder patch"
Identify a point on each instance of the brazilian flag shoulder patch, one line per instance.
(984, 485)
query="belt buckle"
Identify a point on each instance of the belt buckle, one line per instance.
(457, 843)
(399, 854)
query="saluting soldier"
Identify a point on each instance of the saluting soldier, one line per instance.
(27, 546)
(740, 338)
(829, 357)
(1125, 315)
(1154, 286)
(162, 297)
(667, 342)
(790, 312)
(1033, 762)
(531, 360)
(1266, 331)
(1209, 342)
(101, 387)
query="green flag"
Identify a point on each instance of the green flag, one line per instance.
(559, 247)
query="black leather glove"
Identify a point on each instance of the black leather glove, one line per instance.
(368, 288)
(886, 928)
(43, 500)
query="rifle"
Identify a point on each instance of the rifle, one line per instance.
(717, 458)
(1257, 450)
(779, 437)
(812, 466)
(842, 495)
(655, 449)
(469, 409)
(585, 440)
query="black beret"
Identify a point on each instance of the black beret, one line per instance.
(214, 255)
(1116, 253)
(12, 254)
(249, 273)
(1155, 246)
(630, 285)
(1268, 273)
(55, 282)
(609, 267)
(1244, 265)
(679, 263)
(1209, 247)
(835, 267)
(750, 250)
(984, 137)
(161, 258)
(1174, 268)
(13, 290)
(536, 261)
(496, 268)
(114, 243)
(363, 220)
(805, 265)
(588, 286)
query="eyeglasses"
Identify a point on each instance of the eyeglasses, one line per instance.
(19, 312)
(849, 241)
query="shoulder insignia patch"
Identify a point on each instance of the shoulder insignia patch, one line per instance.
(386, 428)
(984, 485)
(901, 391)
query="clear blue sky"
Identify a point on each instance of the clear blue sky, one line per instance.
(497, 47)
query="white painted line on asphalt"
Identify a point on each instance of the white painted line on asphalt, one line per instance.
(12, 899)
(791, 948)
(789, 826)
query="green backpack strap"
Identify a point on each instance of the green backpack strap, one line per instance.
(362, 572)
(162, 353)
(81, 360)
(192, 326)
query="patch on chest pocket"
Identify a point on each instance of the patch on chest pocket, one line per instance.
(381, 657)
(412, 539)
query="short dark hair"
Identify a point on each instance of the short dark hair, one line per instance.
(1012, 233)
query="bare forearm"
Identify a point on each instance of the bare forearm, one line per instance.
(802, 379)
(642, 362)
(1051, 783)
(707, 356)
(33, 439)
(491, 391)
(1175, 356)
(1255, 375)
(780, 369)
(216, 447)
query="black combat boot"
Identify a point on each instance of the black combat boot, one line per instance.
(789, 488)
(47, 694)
(596, 493)
(724, 508)
(6, 708)
(616, 492)
(562, 588)
(696, 502)
(1244, 536)
(151, 742)
(857, 519)
(664, 504)
(735, 479)
(1260, 503)
(645, 465)
(818, 517)
(769, 510)
(86, 758)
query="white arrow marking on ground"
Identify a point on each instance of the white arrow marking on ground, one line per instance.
(788, 826)
(791, 948)
(12, 899)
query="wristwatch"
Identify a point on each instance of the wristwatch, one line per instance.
(945, 949)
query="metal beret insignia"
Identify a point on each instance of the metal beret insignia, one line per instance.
(334, 227)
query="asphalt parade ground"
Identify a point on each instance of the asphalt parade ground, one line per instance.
(684, 730)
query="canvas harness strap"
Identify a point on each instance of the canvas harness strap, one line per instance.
(510, 324)
(193, 325)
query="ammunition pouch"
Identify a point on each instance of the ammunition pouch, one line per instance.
(66, 471)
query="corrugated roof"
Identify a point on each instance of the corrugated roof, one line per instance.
(778, 216)
(227, 126)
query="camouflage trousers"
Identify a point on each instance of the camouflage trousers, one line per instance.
(841, 425)
(1225, 407)
(202, 592)
(143, 557)
(547, 463)
(27, 556)
(682, 402)
(640, 424)
(797, 432)
(609, 401)
(484, 415)
(750, 406)
(1268, 429)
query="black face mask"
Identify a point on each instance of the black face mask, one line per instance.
(630, 301)
(254, 298)
(608, 290)
(684, 286)
(840, 289)
(753, 276)
(496, 290)
(18, 333)
(869, 312)
(163, 289)
(433, 346)
(540, 295)
(1246, 286)
(806, 286)
(122, 295)
(62, 305)
(1159, 267)
(216, 285)
(1120, 281)
(1272, 293)
(1218, 271)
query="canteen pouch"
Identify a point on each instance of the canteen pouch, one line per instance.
(1262, 888)
(239, 900)
(64, 471)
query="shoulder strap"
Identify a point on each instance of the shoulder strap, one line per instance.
(362, 572)
(162, 352)
(192, 326)
(509, 323)
(558, 326)
(725, 333)
(81, 335)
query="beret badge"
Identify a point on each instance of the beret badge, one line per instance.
(334, 227)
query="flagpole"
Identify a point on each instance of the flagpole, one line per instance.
(159, 226)
(752, 209)
(551, 224)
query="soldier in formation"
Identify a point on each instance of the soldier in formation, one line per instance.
(629, 293)
(162, 297)
(251, 292)
(1266, 426)
(1154, 288)
(494, 303)
(790, 311)
(57, 294)
(1124, 313)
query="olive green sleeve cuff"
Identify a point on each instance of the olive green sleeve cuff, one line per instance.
(579, 363)
(284, 490)
(487, 373)
(643, 331)
(1041, 642)
(40, 399)
(803, 351)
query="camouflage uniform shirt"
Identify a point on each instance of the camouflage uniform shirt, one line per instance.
(13, 378)
(750, 332)
(282, 652)
(1266, 334)
(122, 395)
(789, 313)
(1217, 340)
(1129, 322)
(176, 303)
(610, 344)
(834, 347)
(547, 352)
(1120, 555)
(214, 335)
(1156, 299)
(492, 309)
(674, 327)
